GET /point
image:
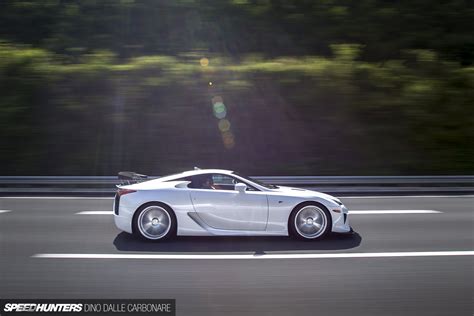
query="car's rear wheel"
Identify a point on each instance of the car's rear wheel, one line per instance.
(310, 221)
(154, 221)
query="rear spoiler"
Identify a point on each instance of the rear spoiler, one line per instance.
(129, 177)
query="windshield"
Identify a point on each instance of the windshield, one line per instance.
(265, 185)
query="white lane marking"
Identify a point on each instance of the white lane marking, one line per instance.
(4, 211)
(350, 212)
(254, 256)
(359, 212)
(341, 196)
(370, 212)
(94, 213)
(57, 197)
(404, 196)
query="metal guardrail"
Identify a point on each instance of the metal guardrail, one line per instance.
(59, 180)
(281, 180)
(368, 180)
(337, 185)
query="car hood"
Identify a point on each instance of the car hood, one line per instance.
(304, 193)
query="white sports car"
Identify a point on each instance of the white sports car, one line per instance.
(223, 203)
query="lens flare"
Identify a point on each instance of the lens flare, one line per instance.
(224, 125)
(228, 139)
(219, 110)
(217, 99)
(204, 62)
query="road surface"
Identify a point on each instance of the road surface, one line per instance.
(255, 283)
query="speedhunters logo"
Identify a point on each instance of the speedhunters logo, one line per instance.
(87, 307)
(40, 308)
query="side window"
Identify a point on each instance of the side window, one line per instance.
(207, 182)
(225, 182)
(215, 181)
(222, 182)
(197, 182)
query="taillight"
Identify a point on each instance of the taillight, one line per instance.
(121, 192)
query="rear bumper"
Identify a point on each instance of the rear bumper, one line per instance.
(123, 223)
(122, 216)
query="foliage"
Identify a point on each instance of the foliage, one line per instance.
(307, 87)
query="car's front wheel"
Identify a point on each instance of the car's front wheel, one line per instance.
(310, 221)
(154, 221)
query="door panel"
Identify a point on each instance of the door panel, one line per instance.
(231, 210)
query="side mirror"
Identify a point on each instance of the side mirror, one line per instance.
(241, 187)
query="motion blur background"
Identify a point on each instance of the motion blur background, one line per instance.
(265, 87)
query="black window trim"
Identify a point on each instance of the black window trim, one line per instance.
(222, 174)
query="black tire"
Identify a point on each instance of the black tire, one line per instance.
(162, 209)
(295, 232)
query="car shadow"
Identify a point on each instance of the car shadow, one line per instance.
(258, 245)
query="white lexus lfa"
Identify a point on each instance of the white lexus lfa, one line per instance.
(213, 202)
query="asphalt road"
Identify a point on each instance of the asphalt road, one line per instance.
(338, 286)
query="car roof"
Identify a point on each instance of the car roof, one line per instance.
(204, 171)
(193, 173)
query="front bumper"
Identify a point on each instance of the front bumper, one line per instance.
(340, 217)
(348, 233)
